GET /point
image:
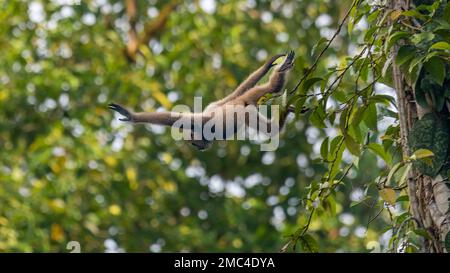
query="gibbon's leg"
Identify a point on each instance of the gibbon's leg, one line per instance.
(251, 81)
(160, 118)
(275, 84)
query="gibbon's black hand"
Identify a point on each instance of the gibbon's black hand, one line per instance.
(120, 110)
(288, 62)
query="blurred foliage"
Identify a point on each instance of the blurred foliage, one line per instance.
(70, 171)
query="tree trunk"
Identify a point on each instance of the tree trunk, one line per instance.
(428, 197)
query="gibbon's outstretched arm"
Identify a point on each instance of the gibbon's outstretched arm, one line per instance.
(275, 84)
(160, 118)
(251, 80)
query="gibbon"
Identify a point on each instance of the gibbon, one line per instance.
(246, 95)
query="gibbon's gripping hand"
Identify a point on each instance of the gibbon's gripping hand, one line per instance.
(288, 62)
(122, 111)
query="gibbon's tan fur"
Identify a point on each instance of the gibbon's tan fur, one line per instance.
(246, 94)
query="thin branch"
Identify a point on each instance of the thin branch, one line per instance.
(133, 41)
(375, 217)
(151, 29)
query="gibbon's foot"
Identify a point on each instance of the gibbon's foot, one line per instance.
(288, 62)
(122, 111)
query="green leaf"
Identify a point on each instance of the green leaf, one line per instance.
(318, 45)
(441, 45)
(352, 146)
(415, 14)
(423, 233)
(373, 16)
(402, 198)
(368, 36)
(416, 61)
(333, 146)
(422, 37)
(335, 154)
(401, 218)
(358, 116)
(309, 244)
(350, 27)
(421, 153)
(393, 171)
(324, 148)
(412, 77)
(394, 38)
(404, 54)
(388, 113)
(370, 117)
(385, 99)
(264, 99)
(317, 118)
(436, 67)
(351, 22)
(431, 55)
(329, 205)
(364, 71)
(308, 83)
(299, 105)
(378, 150)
